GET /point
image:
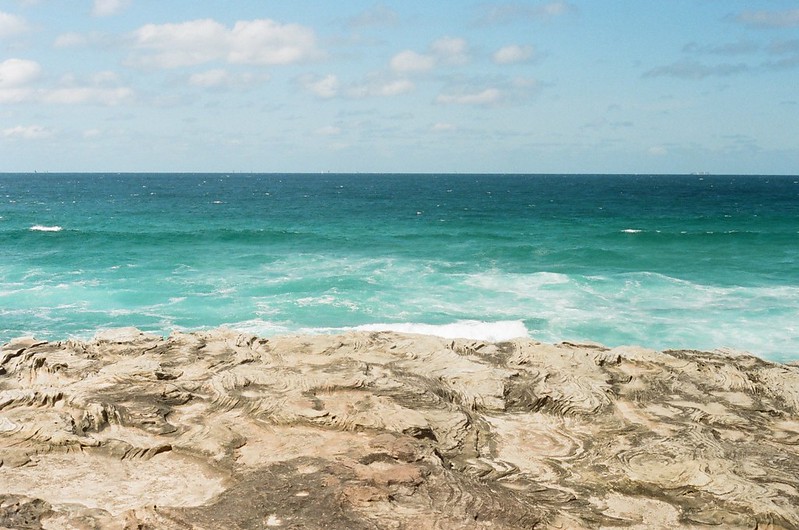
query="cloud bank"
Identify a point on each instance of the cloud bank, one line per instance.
(253, 42)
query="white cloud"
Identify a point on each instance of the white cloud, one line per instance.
(556, 9)
(106, 8)
(15, 95)
(184, 44)
(377, 16)
(740, 47)
(324, 87)
(450, 50)
(525, 83)
(770, 19)
(17, 76)
(260, 42)
(395, 88)
(689, 69)
(446, 50)
(488, 96)
(104, 78)
(507, 13)
(94, 39)
(28, 132)
(268, 42)
(11, 25)
(513, 53)
(221, 78)
(443, 127)
(657, 150)
(70, 40)
(15, 73)
(88, 95)
(210, 78)
(409, 61)
(329, 87)
(391, 88)
(100, 88)
(329, 130)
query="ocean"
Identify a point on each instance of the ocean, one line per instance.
(661, 261)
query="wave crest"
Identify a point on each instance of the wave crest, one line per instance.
(45, 228)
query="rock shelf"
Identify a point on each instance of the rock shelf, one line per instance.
(381, 430)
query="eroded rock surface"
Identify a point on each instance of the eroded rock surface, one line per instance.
(380, 430)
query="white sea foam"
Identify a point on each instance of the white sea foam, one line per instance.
(462, 329)
(45, 228)
(632, 231)
(316, 300)
(326, 300)
(261, 327)
(516, 283)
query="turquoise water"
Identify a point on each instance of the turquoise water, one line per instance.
(661, 261)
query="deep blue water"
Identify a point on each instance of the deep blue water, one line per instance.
(662, 261)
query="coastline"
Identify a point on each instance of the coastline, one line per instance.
(377, 429)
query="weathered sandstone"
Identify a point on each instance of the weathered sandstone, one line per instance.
(214, 430)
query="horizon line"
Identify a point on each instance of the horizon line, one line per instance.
(374, 173)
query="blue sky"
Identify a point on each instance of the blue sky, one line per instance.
(616, 86)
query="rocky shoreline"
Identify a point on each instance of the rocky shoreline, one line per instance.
(380, 430)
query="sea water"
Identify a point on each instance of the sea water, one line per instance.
(701, 262)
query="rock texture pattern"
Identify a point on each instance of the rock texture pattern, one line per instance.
(218, 430)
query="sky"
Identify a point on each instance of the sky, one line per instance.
(580, 86)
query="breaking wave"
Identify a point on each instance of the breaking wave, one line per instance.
(46, 228)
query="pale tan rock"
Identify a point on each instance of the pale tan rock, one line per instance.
(219, 429)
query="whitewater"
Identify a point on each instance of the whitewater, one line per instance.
(662, 261)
